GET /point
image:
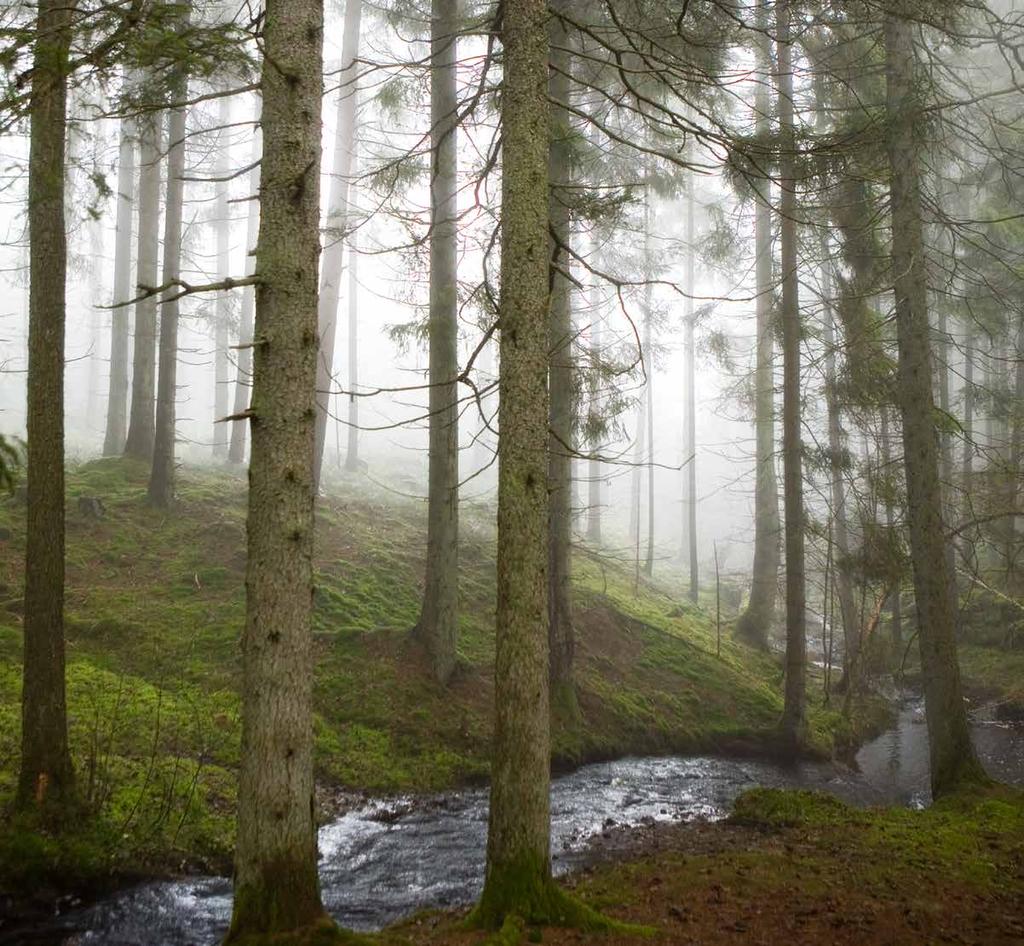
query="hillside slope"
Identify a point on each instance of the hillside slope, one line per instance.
(155, 604)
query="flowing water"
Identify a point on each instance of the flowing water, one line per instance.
(393, 857)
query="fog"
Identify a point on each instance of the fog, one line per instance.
(391, 224)
(392, 288)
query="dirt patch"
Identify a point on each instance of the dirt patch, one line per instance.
(605, 635)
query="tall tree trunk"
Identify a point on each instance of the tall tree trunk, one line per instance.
(967, 464)
(649, 406)
(946, 451)
(642, 450)
(636, 477)
(837, 487)
(648, 356)
(243, 376)
(161, 479)
(117, 395)
(46, 782)
(222, 305)
(338, 212)
(896, 598)
(97, 295)
(141, 423)
(518, 875)
(560, 370)
(594, 491)
(352, 462)
(989, 382)
(755, 623)
(276, 884)
(953, 762)
(437, 628)
(1013, 473)
(690, 425)
(794, 716)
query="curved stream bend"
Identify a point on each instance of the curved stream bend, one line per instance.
(393, 857)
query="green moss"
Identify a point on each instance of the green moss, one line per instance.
(774, 808)
(155, 607)
(512, 931)
(30, 857)
(282, 904)
(523, 894)
(994, 672)
(323, 932)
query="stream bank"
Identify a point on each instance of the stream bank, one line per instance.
(393, 857)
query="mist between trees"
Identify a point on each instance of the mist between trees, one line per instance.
(724, 296)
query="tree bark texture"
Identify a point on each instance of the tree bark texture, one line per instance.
(560, 371)
(46, 781)
(141, 423)
(794, 715)
(276, 884)
(755, 623)
(437, 628)
(518, 874)
(161, 479)
(117, 394)
(953, 762)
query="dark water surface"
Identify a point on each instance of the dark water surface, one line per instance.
(396, 856)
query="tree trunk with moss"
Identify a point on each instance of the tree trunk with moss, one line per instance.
(141, 423)
(161, 478)
(560, 370)
(754, 624)
(338, 220)
(794, 715)
(518, 874)
(117, 392)
(243, 371)
(46, 783)
(437, 628)
(953, 762)
(276, 884)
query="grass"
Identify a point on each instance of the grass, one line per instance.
(807, 869)
(155, 605)
(995, 672)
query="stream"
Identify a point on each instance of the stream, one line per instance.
(395, 856)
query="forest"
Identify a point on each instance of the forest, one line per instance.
(483, 472)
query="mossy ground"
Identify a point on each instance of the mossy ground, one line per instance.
(805, 869)
(995, 673)
(155, 605)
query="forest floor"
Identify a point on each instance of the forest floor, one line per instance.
(802, 869)
(155, 605)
